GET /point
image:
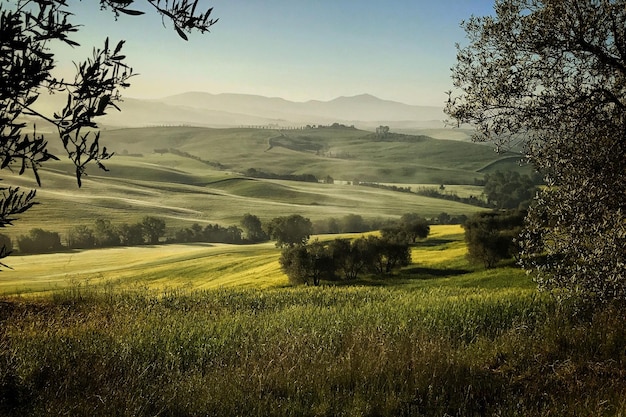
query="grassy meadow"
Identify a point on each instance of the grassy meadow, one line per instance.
(342, 153)
(216, 330)
(191, 188)
(183, 335)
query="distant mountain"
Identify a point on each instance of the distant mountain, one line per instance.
(358, 110)
(229, 110)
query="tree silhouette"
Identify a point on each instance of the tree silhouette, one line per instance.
(550, 75)
(28, 30)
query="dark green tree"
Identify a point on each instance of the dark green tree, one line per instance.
(509, 190)
(382, 256)
(131, 234)
(290, 230)
(153, 229)
(416, 226)
(29, 29)
(353, 223)
(409, 229)
(39, 241)
(105, 233)
(81, 237)
(253, 228)
(348, 257)
(493, 236)
(551, 76)
(307, 263)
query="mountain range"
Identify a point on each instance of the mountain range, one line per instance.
(231, 110)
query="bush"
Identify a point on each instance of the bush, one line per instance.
(492, 236)
(81, 237)
(39, 241)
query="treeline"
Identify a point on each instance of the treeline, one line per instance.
(344, 259)
(406, 189)
(451, 196)
(211, 233)
(502, 190)
(184, 154)
(354, 223)
(255, 173)
(286, 231)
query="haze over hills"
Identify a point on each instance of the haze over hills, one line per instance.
(232, 110)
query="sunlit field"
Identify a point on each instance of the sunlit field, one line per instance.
(168, 266)
(184, 193)
(190, 266)
(187, 330)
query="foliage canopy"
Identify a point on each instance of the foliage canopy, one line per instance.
(551, 75)
(29, 29)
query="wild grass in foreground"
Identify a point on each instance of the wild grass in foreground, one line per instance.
(431, 350)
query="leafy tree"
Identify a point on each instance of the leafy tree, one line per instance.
(28, 31)
(294, 261)
(410, 228)
(381, 255)
(290, 230)
(396, 233)
(105, 234)
(81, 237)
(196, 232)
(39, 241)
(131, 235)
(353, 223)
(550, 75)
(443, 218)
(153, 229)
(183, 235)
(348, 257)
(329, 225)
(304, 263)
(509, 190)
(492, 236)
(253, 228)
(416, 226)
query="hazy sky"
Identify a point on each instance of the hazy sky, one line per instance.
(300, 50)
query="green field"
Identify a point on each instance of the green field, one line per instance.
(183, 190)
(344, 154)
(191, 266)
(172, 331)
(216, 330)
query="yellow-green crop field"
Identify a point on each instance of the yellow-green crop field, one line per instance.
(190, 330)
(195, 266)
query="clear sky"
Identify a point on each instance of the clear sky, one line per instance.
(299, 50)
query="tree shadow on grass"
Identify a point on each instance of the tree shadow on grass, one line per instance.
(433, 242)
(418, 272)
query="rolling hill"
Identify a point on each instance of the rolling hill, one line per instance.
(234, 110)
(194, 174)
(342, 153)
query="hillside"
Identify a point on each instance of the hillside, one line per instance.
(205, 179)
(233, 110)
(343, 153)
(184, 191)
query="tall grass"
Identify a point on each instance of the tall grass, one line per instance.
(308, 352)
(441, 339)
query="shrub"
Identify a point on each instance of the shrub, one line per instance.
(39, 241)
(491, 236)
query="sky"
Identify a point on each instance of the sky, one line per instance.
(399, 50)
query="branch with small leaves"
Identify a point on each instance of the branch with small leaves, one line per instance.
(28, 28)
